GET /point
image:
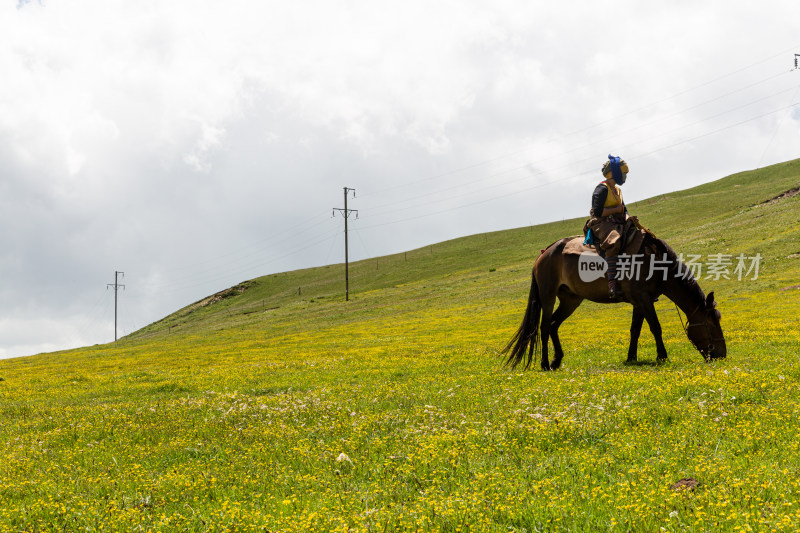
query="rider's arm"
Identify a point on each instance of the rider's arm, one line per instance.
(614, 210)
(598, 201)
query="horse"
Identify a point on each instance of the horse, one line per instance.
(558, 274)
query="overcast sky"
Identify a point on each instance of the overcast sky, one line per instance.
(196, 144)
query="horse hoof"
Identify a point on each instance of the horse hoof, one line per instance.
(545, 367)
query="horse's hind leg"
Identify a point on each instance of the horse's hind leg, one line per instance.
(547, 270)
(567, 303)
(548, 302)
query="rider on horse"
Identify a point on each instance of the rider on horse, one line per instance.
(608, 218)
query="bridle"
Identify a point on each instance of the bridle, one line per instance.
(708, 349)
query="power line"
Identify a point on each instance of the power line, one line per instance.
(248, 256)
(621, 146)
(278, 237)
(574, 176)
(780, 122)
(729, 126)
(89, 320)
(595, 125)
(199, 281)
(604, 140)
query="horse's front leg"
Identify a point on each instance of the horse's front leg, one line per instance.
(636, 330)
(649, 312)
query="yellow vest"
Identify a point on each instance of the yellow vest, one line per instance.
(614, 197)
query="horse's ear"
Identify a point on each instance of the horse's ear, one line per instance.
(710, 300)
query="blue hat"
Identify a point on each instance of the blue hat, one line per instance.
(617, 167)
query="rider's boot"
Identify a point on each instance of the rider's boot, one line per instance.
(614, 289)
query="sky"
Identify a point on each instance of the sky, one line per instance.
(193, 144)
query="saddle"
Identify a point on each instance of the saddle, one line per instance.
(632, 240)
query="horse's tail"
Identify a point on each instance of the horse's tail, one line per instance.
(526, 339)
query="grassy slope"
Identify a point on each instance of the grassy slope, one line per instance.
(720, 217)
(235, 413)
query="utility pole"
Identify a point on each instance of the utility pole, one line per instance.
(116, 286)
(346, 214)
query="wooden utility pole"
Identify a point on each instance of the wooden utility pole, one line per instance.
(346, 214)
(116, 286)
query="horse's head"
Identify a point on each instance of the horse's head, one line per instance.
(705, 331)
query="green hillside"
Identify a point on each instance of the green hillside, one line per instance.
(727, 216)
(277, 406)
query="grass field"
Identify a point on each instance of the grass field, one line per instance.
(279, 407)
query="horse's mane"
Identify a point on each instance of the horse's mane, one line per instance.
(676, 267)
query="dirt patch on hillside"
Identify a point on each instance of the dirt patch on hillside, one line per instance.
(781, 196)
(791, 287)
(223, 295)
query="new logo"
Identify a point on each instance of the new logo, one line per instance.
(591, 267)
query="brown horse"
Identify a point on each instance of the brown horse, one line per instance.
(558, 274)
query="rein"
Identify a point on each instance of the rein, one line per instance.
(680, 316)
